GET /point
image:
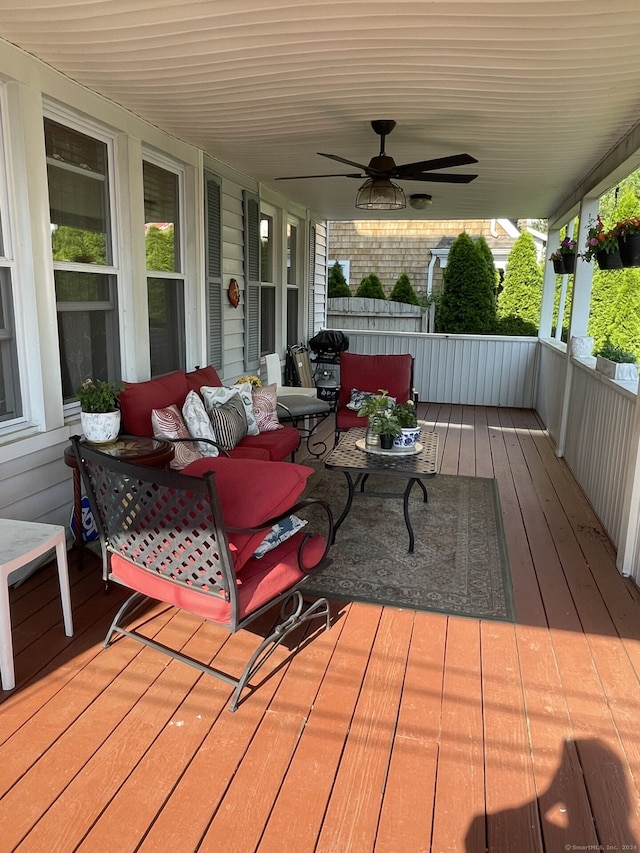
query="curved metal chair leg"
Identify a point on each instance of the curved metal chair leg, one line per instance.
(320, 607)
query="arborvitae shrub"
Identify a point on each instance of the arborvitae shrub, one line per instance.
(371, 287)
(467, 305)
(403, 291)
(337, 283)
(521, 294)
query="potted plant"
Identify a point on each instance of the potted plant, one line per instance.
(616, 362)
(99, 412)
(387, 427)
(564, 258)
(407, 417)
(628, 235)
(603, 245)
(373, 406)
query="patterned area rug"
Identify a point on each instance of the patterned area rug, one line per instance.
(459, 564)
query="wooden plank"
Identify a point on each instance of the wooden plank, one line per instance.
(512, 812)
(527, 599)
(460, 789)
(302, 800)
(37, 796)
(409, 795)
(240, 820)
(351, 818)
(179, 825)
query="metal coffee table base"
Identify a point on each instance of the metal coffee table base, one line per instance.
(360, 481)
(357, 465)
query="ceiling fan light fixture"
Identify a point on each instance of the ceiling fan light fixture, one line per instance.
(380, 194)
(420, 201)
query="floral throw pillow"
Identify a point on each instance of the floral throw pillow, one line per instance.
(198, 423)
(214, 396)
(168, 423)
(279, 533)
(358, 398)
(265, 401)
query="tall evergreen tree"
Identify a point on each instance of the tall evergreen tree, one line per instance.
(403, 291)
(371, 287)
(467, 305)
(337, 283)
(522, 286)
(483, 247)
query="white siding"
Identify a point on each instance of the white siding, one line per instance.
(468, 369)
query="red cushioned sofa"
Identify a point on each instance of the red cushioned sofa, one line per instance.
(139, 398)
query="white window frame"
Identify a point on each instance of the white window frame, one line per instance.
(177, 168)
(64, 116)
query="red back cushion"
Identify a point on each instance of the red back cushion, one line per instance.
(251, 492)
(203, 376)
(139, 398)
(375, 372)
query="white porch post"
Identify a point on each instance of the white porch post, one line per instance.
(548, 285)
(580, 304)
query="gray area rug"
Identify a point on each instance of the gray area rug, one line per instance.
(459, 564)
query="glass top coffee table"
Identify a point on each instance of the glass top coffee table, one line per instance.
(357, 464)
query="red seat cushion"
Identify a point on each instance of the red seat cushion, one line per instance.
(259, 582)
(139, 398)
(279, 444)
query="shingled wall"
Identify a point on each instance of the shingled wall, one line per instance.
(389, 248)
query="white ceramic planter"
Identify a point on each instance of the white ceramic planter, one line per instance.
(621, 371)
(100, 427)
(581, 346)
(407, 438)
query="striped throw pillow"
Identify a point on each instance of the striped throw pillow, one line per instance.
(229, 422)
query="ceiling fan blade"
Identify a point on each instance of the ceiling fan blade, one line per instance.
(302, 177)
(438, 163)
(344, 160)
(438, 178)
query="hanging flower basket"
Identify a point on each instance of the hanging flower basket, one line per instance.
(569, 261)
(609, 260)
(629, 246)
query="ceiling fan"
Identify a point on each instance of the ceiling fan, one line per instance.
(383, 167)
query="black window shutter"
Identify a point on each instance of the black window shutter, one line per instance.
(251, 282)
(213, 269)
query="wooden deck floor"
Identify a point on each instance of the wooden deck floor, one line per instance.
(393, 732)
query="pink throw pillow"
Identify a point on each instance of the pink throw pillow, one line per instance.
(265, 408)
(168, 423)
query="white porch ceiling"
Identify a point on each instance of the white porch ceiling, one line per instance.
(539, 92)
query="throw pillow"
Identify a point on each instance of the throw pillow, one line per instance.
(213, 396)
(229, 422)
(265, 401)
(198, 423)
(279, 533)
(168, 423)
(359, 397)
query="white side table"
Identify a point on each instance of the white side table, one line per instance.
(20, 543)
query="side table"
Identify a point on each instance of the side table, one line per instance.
(141, 450)
(20, 543)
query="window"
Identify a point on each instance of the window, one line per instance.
(81, 241)
(293, 275)
(165, 283)
(267, 285)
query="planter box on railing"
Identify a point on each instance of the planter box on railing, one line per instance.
(621, 371)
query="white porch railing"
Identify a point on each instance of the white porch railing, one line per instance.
(475, 370)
